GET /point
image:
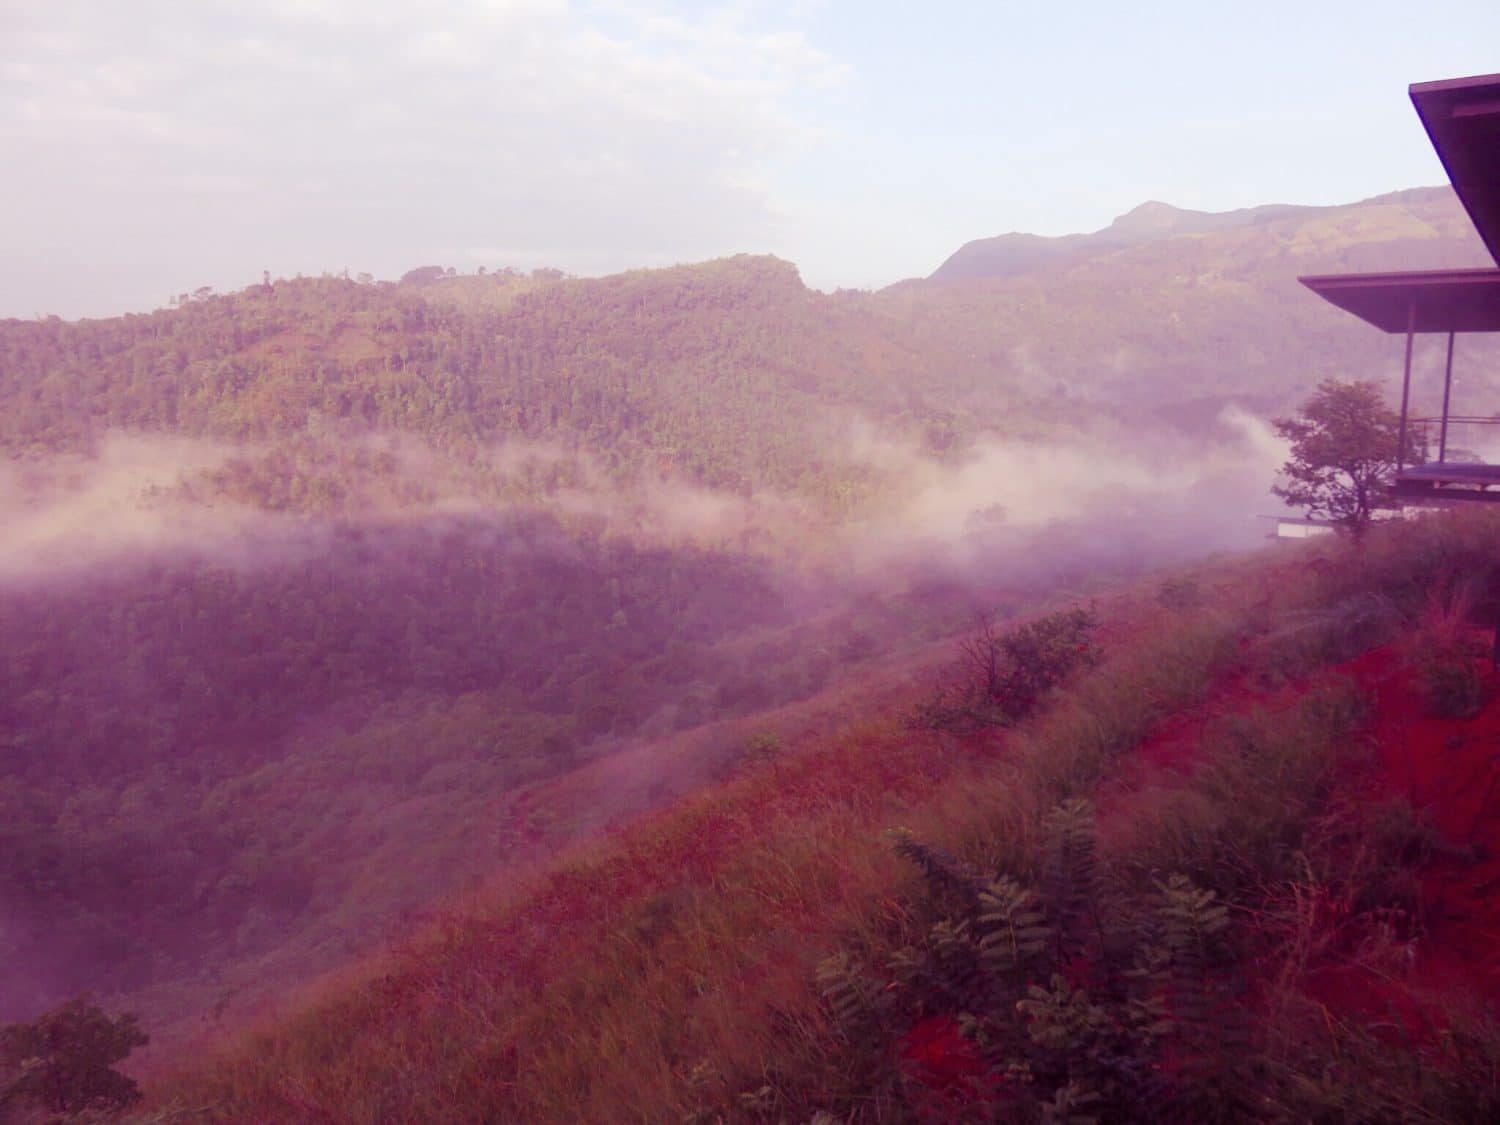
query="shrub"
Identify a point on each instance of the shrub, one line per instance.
(64, 1062)
(1451, 681)
(1327, 634)
(1004, 676)
(1180, 593)
(1070, 998)
(1446, 655)
(1405, 560)
(1240, 823)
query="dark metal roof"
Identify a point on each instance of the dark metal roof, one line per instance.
(1462, 117)
(1444, 300)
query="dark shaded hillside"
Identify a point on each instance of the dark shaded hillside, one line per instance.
(218, 780)
(195, 759)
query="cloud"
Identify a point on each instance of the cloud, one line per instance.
(155, 146)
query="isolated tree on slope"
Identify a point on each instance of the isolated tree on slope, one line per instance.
(64, 1062)
(1343, 457)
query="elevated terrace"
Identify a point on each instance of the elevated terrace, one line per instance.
(1462, 118)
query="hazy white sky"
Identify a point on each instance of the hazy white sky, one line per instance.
(148, 147)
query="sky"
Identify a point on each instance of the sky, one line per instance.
(150, 147)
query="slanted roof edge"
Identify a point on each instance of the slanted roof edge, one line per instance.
(1467, 161)
(1465, 300)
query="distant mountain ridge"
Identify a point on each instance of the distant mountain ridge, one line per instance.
(729, 375)
(1015, 253)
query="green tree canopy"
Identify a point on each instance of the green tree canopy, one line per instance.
(65, 1060)
(1343, 456)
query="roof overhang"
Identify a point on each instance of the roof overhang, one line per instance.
(1428, 301)
(1462, 118)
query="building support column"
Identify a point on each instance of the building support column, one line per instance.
(1411, 331)
(1447, 390)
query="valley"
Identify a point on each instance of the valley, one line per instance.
(381, 657)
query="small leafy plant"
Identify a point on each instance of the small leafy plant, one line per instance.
(1448, 657)
(1452, 682)
(1180, 593)
(1056, 1001)
(1003, 677)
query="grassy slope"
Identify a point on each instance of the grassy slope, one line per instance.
(669, 967)
(713, 912)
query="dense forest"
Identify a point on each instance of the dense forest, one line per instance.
(727, 374)
(190, 751)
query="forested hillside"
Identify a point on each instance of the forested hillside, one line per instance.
(194, 756)
(220, 775)
(731, 375)
(1177, 325)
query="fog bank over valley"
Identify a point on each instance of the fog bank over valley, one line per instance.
(1159, 496)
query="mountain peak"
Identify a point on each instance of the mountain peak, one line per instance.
(1151, 221)
(1150, 218)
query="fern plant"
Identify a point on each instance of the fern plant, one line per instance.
(1209, 1033)
(1083, 1001)
(858, 1006)
(1071, 877)
(1003, 677)
(1013, 932)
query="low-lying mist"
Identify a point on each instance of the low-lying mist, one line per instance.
(1076, 503)
(66, 514)
(1093, 501)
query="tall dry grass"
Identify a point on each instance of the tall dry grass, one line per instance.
(674, 960)
(666, 973)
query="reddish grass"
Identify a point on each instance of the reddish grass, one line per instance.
(592, 989)
(561, 938)
(952, 1081)
(600, 983)
(1449, 769)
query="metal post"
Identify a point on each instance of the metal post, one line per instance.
(1447, 389)
(1411, 329)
